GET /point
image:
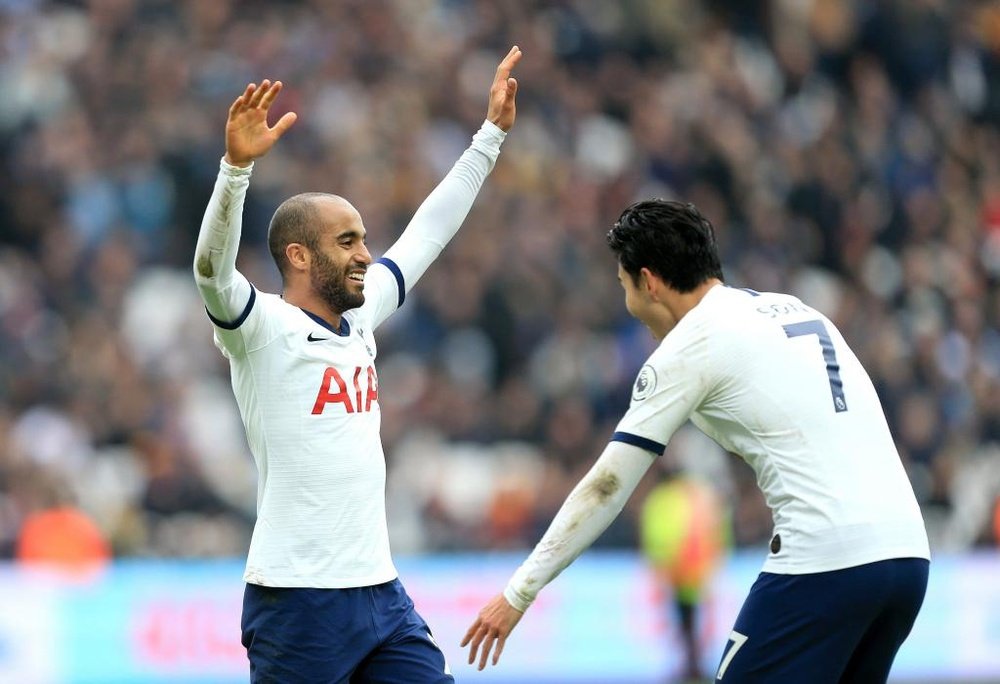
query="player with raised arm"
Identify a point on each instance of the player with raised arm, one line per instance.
(323, 602)
(771, 379)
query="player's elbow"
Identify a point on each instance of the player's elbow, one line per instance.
(204, 268)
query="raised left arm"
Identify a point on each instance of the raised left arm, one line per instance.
(442, 213)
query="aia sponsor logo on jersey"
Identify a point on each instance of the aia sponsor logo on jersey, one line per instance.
(334, 390)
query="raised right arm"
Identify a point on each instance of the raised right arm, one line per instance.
(227, 294)
(225, 291)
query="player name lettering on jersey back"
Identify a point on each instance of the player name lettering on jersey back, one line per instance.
(783, 309)
(334, 390)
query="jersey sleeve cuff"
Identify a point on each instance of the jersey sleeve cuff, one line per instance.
(235, 171)
(641, 442)
(516, 599)
(488, 139)
(398, 274)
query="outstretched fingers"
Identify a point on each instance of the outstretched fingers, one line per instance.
(240, 103)
(499, 649)
(261, 98)
(248, 136)
(270, 95)
(284, 123)
(479, 634)
(258, 95)
(511, 87)
(502, 108)
(487, 647)
(474, 636)
(507, 65)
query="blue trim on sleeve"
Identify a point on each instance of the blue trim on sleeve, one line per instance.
(400, 284)
(243, 316)
(641, 442)
(752, 293)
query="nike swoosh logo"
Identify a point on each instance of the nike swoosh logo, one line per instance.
(316, 339)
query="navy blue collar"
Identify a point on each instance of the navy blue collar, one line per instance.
(345, 328)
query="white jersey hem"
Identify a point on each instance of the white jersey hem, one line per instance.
(841, 561)
(286, 582)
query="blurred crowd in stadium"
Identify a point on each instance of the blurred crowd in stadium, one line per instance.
(846, 151)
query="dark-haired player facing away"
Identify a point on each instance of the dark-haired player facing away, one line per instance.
(771, 379)
(323, 602)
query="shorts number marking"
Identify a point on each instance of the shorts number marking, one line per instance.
(737, 640)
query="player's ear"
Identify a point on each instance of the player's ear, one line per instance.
(298, 256)
(648, 281)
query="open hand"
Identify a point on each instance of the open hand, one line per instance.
(501, 110)
(248, 136)
(495, 622)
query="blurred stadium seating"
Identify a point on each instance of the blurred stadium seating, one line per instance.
(847, 152)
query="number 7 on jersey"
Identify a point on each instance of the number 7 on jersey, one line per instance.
(816, 327)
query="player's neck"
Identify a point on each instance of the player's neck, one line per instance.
(313, 304)
(677, 305)
(680, 303)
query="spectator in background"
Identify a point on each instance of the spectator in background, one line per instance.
(684, 535)
(996, 522)
(62, 536)
(56, 533)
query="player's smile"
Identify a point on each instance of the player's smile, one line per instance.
(357, 276)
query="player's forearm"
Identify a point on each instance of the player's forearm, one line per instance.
(222, 288)
(442, 213)
(590, 508)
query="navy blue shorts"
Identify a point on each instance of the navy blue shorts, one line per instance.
(826, 627)
(334, 636)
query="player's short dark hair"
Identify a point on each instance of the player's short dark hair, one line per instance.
(293, 221)
(671, 239)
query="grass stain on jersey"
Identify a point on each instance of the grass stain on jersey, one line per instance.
(205, 268)
(604, 487)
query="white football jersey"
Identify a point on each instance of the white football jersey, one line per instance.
(773, 380)
(308, 395)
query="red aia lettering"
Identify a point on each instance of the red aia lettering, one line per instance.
(341, 396)
(325, 396)
(372, 394)
(357, 387)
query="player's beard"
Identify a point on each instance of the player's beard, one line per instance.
(330, 282)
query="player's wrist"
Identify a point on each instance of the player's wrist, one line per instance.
(491, 130)
(518, 600)
(238, 163)
(488, 139)
(234, 168)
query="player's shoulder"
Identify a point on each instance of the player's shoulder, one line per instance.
(722, 309)
(359, 323)
(274, 306)
(747, 298)
(263, 320)
(279, 318)
(736, 307)
(731, 319)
